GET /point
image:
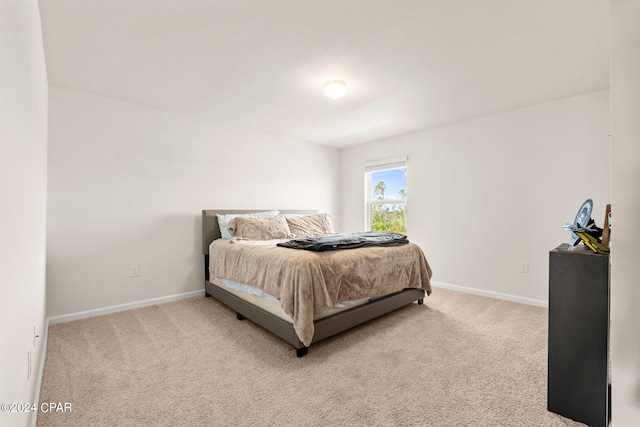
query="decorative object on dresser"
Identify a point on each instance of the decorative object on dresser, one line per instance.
(585, 230)
(606, 231)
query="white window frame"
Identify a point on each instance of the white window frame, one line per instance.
(377, 166)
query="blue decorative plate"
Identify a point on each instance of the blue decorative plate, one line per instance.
(582, 218)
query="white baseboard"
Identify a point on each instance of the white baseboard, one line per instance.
(121, 307)
(43, 355)
(491, 294)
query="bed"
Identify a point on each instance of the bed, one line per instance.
(280, 317)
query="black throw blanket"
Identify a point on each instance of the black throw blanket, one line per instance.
(347, 241)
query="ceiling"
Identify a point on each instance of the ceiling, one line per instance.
(261, 64)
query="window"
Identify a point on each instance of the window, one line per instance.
(386, 195)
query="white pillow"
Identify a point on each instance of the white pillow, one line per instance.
(224, 220)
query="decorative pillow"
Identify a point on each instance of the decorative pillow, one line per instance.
(266, 228)
(224, 220)
(311, 225)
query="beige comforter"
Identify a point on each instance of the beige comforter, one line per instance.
(309, 283)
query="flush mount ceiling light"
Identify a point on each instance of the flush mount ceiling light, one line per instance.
(335, 89)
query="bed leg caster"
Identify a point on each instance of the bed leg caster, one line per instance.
(302, 351)
(239, 316)
(421, 301)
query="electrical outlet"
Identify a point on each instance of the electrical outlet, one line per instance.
(524, 267)
(134, 270)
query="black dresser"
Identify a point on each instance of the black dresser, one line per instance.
(578, 385)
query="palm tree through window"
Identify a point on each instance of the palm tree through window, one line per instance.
(386, 197)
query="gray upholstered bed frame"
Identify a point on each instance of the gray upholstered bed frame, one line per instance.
(324, 327)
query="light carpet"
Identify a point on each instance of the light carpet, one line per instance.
(457, 360)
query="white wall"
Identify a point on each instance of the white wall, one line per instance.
(23, 191)
(127, 185)
(625, 255)
(486, 194)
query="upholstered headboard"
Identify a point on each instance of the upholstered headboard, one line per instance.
(211, 230)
